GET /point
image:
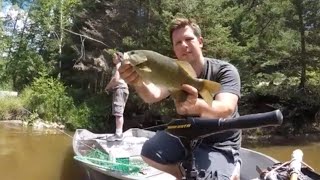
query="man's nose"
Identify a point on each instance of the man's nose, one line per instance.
(184, 44)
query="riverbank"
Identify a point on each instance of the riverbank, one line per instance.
(38, 125)
(281, 140)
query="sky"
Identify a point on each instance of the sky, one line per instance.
(4, 9)
(8, 10)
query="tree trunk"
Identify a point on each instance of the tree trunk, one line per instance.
(61, 38)
(303, 55)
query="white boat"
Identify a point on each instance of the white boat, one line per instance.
(130, 147)
(121, 160)
(85, 141)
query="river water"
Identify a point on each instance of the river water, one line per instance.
(27, 154)
(311, 153)
(47, 155)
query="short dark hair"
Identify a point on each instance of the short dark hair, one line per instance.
(178, 23)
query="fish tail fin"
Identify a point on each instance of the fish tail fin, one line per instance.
(209, 89)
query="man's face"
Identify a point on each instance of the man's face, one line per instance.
(186, 45)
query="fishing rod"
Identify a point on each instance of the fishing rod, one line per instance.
(295, 164)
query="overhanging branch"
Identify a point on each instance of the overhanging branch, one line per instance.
(81, 35)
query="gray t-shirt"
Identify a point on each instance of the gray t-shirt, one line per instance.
(227, 75)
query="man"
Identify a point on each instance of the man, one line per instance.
(119, 98)
(217, 154)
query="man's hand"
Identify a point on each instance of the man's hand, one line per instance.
(129, 75)
(190, 105)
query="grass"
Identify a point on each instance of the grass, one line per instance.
(10, 108)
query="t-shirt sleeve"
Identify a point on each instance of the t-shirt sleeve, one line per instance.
(229, 78)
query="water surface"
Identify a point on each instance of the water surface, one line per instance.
(311, 153)
(27, 154)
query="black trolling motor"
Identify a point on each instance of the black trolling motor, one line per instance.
(191, 130)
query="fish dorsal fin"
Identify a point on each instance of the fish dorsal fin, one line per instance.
(209, 90)
(187, 68)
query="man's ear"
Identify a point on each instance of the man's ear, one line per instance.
(200, 39)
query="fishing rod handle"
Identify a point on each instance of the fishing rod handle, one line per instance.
(295, 164)
(272, 118)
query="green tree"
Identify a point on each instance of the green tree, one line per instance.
(36, 38)
(305, 21)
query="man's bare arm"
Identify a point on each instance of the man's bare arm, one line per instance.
(115, 78)
(223, 106)
(113, 81)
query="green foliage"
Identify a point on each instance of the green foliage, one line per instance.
(274, 44)
(100, 116)
(24, 67)
(93, 111)
(79, 117)
(31, 118)
(11, 108)
(164, 108)
(33, 38)
(47, 97)
(5, 83)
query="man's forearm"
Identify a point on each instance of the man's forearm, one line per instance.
(217, 110)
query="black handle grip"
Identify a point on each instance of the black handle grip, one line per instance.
(192, 127)
(254, 120)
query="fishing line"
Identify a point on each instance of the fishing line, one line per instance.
(63, 132)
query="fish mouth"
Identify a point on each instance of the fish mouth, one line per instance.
(134, 58)
(126, 56)
(129, 56)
